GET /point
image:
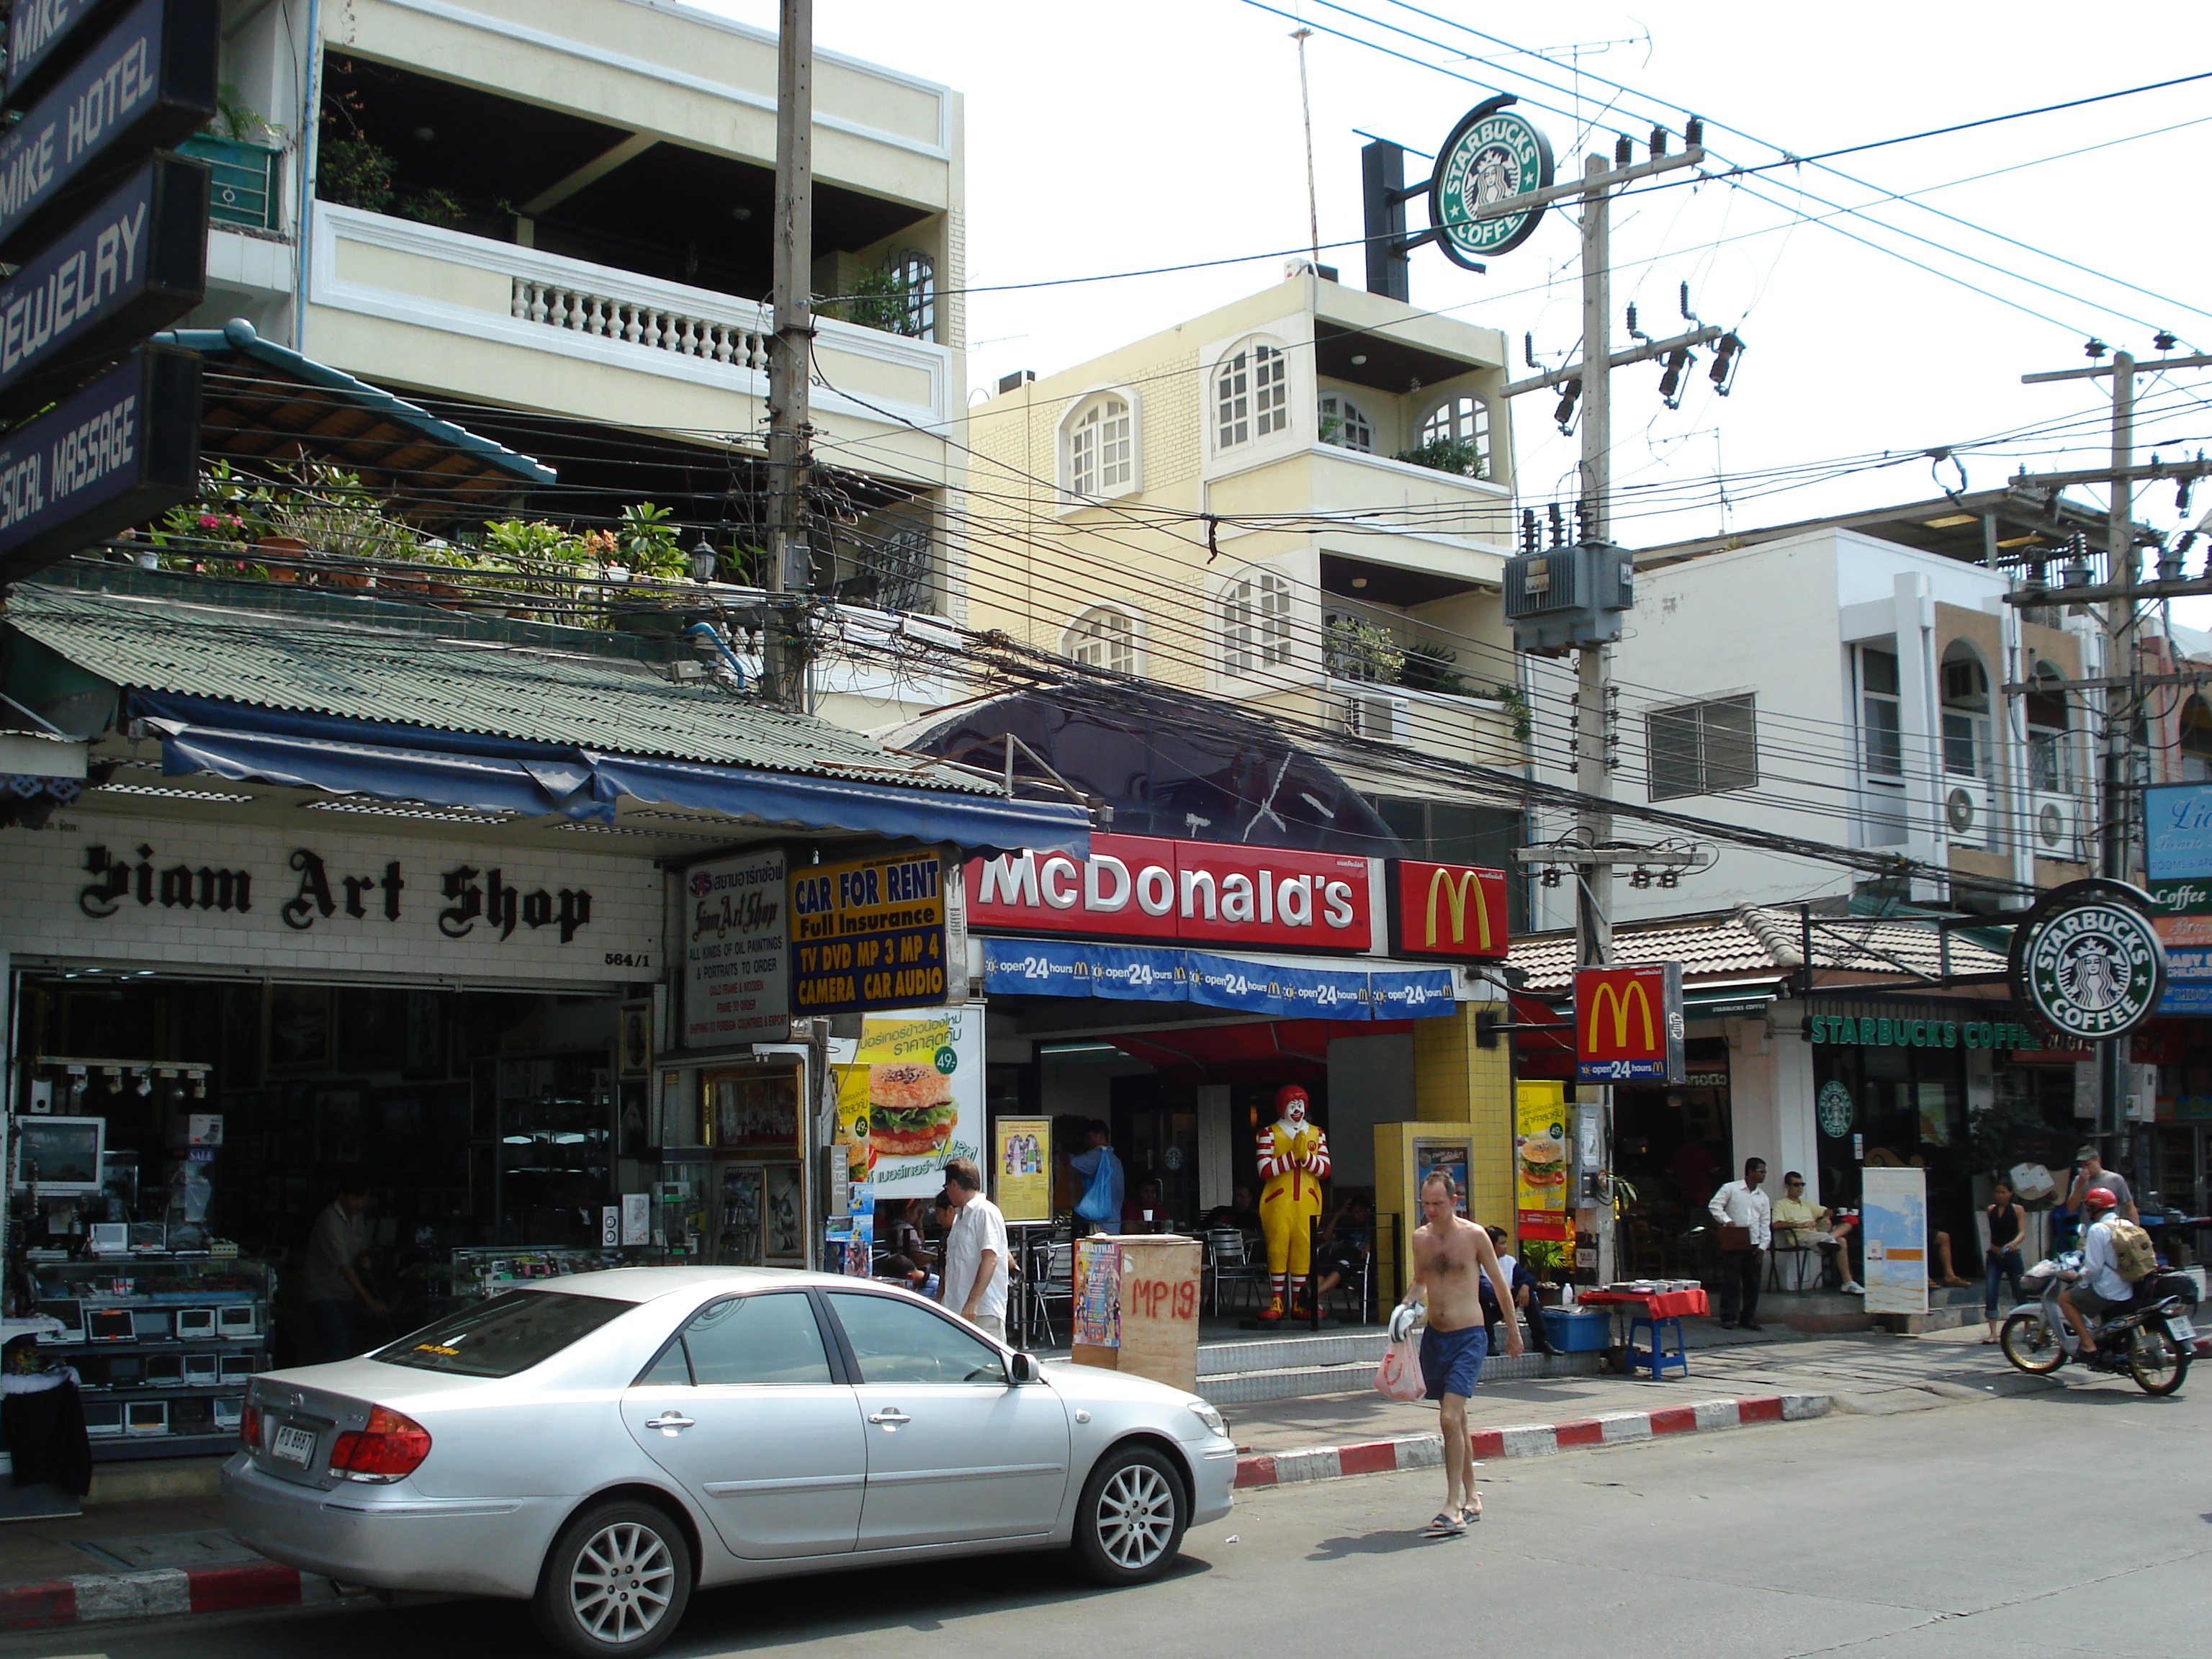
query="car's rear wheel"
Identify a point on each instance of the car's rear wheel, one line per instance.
(615, 1582)
(1130, 1523)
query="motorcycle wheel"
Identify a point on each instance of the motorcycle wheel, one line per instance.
(2158, 1363)
(2032, 1346)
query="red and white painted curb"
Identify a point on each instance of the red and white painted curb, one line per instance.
(1426, 1451)
(89, 1598)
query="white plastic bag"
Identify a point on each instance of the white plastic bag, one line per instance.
(2031, 1182)
(1399, 1377)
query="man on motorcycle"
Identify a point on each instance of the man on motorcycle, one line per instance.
(2097, 1289)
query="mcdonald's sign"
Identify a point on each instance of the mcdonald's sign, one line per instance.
(1456, 910)
(1628, 1023)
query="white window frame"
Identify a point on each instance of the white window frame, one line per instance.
(1250, 395)
(1126, 478)
(1350, 419)
(1464, 416)
(1085, 632)
(1256, 605)
(1705, 723)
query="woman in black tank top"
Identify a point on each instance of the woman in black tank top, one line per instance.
(2007, 1223)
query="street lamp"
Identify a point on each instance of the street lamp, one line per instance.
(704, 558)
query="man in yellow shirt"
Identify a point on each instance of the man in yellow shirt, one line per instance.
(1815, 1224)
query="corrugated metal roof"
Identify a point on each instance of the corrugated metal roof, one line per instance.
(1755, 941)
(555, 694)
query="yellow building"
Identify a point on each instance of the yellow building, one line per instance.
(1300, 502)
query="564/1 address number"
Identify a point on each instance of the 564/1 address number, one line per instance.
(629, 958)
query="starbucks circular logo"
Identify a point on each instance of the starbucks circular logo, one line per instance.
(2088, 962)
(1833, 1106)
(1491, 154)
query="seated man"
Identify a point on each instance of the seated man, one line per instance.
(1797, 1222)
(1525, 1302)
(1345, 1243)
(1238, 1215)
(2097, 1289)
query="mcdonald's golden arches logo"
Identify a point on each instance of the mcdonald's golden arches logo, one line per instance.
(1628, 1023)
(1456, 910)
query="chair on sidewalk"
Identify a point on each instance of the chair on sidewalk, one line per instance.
(1658, 1358)
(1801, 1255)
(1229, 1264)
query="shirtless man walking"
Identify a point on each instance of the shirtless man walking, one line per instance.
(1451, 1255)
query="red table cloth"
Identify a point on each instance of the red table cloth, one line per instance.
(1663, 1304)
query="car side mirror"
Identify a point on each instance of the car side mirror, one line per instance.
(1024, 1368)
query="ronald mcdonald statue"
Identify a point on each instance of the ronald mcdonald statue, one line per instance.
(1293, 1158)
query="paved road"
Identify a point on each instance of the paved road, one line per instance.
(2071, 1521)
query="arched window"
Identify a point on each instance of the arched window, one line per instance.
(2050, 743)
(1343, 422)
(1102, 448)
(1456, 437)
(1251, 394)
(1966, 750)
(1105, 636)
(2195, 757)
(916, 273)
(1255, 622)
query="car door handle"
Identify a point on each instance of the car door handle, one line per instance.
(669, 1422)
(891, 1417)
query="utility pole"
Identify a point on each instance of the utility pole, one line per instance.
(790, 434)
(1591, 380)
(2121, 680)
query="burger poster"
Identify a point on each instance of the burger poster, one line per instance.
(910, 1097)
(1540, 1164)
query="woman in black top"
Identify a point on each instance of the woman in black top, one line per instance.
(2007, 1223)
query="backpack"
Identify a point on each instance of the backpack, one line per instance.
(2132, 1251)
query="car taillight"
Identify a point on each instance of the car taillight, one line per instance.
(249, 1427)
(390, 1447)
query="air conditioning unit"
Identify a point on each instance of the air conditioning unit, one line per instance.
(1966, 819)
(2057, 826)
(1377, 716)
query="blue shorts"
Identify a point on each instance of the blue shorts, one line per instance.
(1451, 1361)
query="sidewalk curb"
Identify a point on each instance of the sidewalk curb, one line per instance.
(1426, 1451)
(90, 1598)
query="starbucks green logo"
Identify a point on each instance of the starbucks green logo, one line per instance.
(1491, 154)
(1833, 1104)
(2089, 962)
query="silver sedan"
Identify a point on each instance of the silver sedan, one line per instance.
(607, 1444)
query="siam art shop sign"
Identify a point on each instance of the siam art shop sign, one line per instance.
(169, 891)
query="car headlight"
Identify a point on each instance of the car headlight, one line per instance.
(1205, 1414)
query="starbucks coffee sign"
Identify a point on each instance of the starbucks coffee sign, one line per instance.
(2087, 960)
(1491, 154)
(1833, 1107)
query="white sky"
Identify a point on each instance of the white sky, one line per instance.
(1116, 138)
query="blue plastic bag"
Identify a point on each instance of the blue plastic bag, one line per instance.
(1101, 1202)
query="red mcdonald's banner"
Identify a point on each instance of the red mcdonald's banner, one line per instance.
(1628, 1023)
(1456, 910)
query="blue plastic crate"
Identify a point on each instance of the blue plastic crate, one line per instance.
(1577, 1330)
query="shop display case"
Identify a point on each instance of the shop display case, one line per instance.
(551, 1122)
(480, 1271)
(162, 1345)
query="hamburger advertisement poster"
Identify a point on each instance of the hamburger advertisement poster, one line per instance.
(910, 1097)
(1540, 1164)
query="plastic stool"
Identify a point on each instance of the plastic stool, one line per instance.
(1659, 1358)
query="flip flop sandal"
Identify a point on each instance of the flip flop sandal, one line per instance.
(1446, 1525)
(1471, 1513)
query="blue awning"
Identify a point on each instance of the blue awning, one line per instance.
(1321, 989)
(584, 785)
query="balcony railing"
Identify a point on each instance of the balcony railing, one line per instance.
(243, 191)
(410, 273)
(613, 318)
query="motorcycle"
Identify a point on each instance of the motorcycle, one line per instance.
(2152, 1340)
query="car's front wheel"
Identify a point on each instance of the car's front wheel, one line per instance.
(615, 1582)
(1130, 1523)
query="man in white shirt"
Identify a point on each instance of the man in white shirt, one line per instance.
(974, 1252)
(2098, 1288)
(1741, 1203)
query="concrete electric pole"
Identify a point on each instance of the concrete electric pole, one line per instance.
(790, 433)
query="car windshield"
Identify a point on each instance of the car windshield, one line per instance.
(506, 1334)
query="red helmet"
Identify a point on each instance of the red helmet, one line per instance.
(2100, 1198)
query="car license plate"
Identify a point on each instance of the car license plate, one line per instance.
(295, 1446)
(2181, 1330)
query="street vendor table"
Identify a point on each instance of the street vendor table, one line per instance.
(1662, 1316)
